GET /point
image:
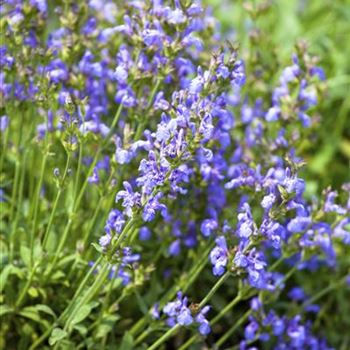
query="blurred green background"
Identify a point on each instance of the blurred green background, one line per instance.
(325, 25)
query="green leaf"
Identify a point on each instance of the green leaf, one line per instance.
(4, 275)
(58, 275)
(52, 242)
(127, 342)
(33, 292)
(57, 335)
(66, 260)
(141, 303)
(45, 309)
(38, 250)
(106, 325)
(97, 247)
(25, 255)
(5, 309)
(81, 329)
(33, 314)
(7, 271)
(83, 312)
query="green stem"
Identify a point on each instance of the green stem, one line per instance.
(80, 288)
(214, 289)
(36, 203)
(58, 196)
(26, 287)
(59, 248)
(229, 333)
(77, 175)
(96, 212)
(15, 188)
(86, 236)
(226, 309)
(19, 207)
(164, 337)
(3, 149)
(79, 197)
(42, 338)
(95, 287)
(324, 291)
(106, 302)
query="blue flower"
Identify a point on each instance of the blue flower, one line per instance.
(129, 257)
(121, 75)
(273, 114)
(184, 317)
(240, 260)
(105, 240)
(207, 226)
(204, 326)
(299, 224)
(251, 330)
(178, 311)
(130, 198)
(219, 256)
(4, 122)
(144, 233)
(175, 248)
(115, 221)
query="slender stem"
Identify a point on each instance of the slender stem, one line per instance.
(77, 175)
(96, 212)
(79, 197)
(70, 305)
(214, 289)
(106, 301)
(58, 196)
(164, 337)
(90, 293)
(19, 206)
(86, 236)
(229, 333)
(324, 291)
(42, 338)
(81, 287)
(3, 151)
(52, 215)
(14, 189)
(36, 203)
(59, 248)
(92, 222)
(26, 287)
(95, 287)
(17, 170)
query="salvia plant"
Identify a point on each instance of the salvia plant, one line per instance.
(152, 194)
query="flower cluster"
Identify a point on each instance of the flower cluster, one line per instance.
(279, 332)
(179, 312)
